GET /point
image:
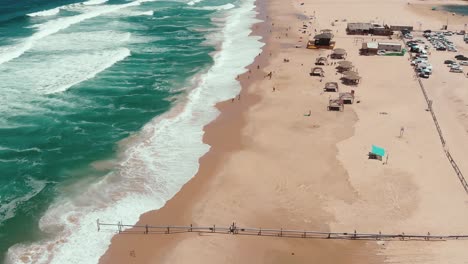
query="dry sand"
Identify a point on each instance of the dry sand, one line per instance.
(270, 166)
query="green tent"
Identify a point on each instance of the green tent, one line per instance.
(378, 151)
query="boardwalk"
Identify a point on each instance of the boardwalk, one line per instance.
(235, 230)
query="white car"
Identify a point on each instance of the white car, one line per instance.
(464, 63)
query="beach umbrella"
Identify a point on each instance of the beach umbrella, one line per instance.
(339, 51)
(345, 64)
(350, 73)
(352, 77)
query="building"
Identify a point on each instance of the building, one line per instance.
(402, 28)
(389, 46)
(323, 40)
(368, 28)
(359, 28)
(369, 48)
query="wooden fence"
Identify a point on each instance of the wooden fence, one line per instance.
(287, 233)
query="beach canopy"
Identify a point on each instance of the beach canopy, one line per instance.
(352, 77)
(324, 36)
(378, 151)
(350, 73)
(339, 51)
(345, 64)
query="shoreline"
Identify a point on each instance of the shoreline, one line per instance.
(252, 177)
(229, 119)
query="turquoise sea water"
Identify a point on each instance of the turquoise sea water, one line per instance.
(75, 80)
(459, 9)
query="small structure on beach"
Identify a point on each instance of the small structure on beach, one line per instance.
(369, 48)
(321, 41)
(331, 87)
(317, 71)
(321, 61)
(359, 28)
(376, 152)
(351, 78)
(368, 28)
(390, 46)
(401, 28)
(338, 54)
(347, 98)
(335, 105)
(344, 66)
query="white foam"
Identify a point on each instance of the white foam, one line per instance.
(159, 161)
(50, 12)
(193, 2)
(53, 26)
(221, 7)
(94, 2)
(7, 210)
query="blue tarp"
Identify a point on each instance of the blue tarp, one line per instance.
(378, 150)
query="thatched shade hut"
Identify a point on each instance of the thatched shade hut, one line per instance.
(321, 61)
(350, 73)
(331, 87)
(338, 54)
(347, 98)
(335, 105)
(344, 66)
(351, 78)
(317, 71)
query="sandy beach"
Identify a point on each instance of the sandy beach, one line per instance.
(279, 159)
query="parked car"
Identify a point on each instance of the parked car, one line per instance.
(424, 75)
(449, 62)
(464, 63)
(457, 70)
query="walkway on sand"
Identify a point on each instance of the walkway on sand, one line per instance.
(235, 230)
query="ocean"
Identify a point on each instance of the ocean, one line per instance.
(102, 106)
(459, 9)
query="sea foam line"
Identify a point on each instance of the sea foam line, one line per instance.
(158, 162)
(53, 26)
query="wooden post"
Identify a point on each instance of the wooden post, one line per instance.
(214, 228)
(305, 234)
(98, 226)
(168, 230)
(146, 229)
(260, 232)
(354, 236)
(281, 232)
(190, 230)
(119, 227)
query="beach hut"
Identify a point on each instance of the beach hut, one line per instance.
(369, 48)
(351, 79)
(347, 98)
(338, 54)
(331, 87)
(317, 71)
(359, 28)
(321, 41)
(350, 73)
(344, 66)
(376, 152)
(321, 61)
(335, 105)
